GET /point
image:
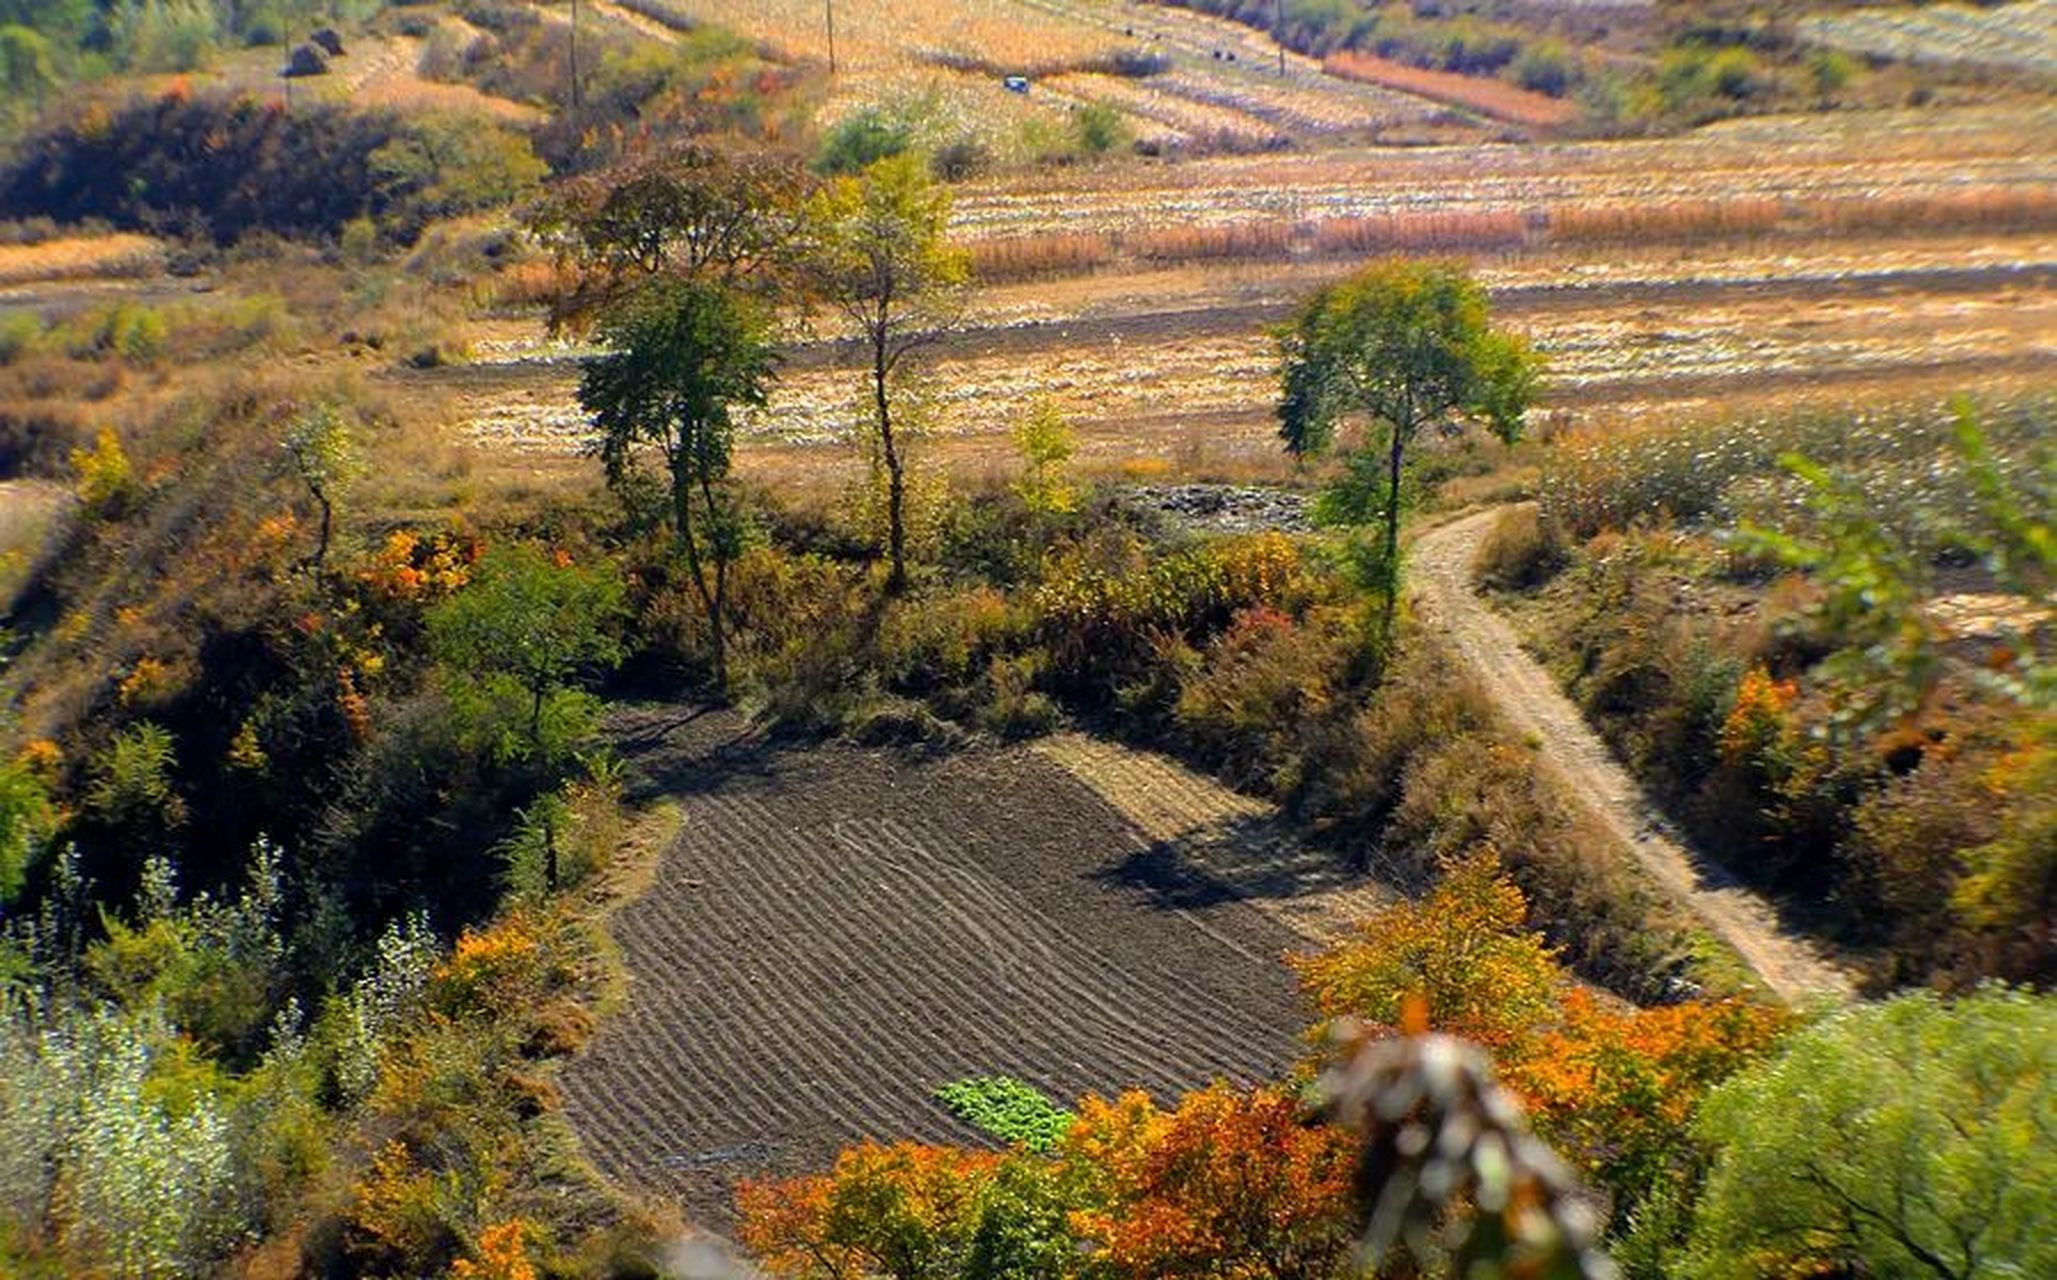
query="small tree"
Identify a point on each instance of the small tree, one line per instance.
(880, 256)
(325, 457)
(1406, 345)
(520, 633)
(1046, 443)
(682, 357)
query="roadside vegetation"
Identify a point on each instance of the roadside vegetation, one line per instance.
(313, 810)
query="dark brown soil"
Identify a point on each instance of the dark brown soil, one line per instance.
(838, 930)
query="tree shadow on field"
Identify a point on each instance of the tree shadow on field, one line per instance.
(1231, 859)
(686, 749)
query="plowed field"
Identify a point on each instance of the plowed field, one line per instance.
(838, 930)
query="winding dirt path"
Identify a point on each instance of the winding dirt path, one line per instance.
(1533, 705)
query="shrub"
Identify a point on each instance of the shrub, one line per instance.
(1545, 67)
(1521, 551)
(1099, 127)
(20, 331)
(104, 483)
(131, 788)
(862, 139)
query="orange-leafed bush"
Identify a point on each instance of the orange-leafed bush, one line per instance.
(1465, 947)
(502, 1254)
(408, 567)
(397, 1208)
(1228, 1183)
(505, 964)
(906, 1209)
(1614, 1090)
(1760, 718)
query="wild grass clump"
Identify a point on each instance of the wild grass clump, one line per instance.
(1521, 550)
(1728, 469)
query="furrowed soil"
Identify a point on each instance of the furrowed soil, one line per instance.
(837, 930)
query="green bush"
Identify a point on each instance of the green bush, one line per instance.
(1903, 1138)
(862, 139)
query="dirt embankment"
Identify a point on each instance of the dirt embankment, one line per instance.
(1532, 705)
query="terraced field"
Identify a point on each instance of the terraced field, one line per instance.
(837, 931)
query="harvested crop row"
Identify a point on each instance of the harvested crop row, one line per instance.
(837, 932)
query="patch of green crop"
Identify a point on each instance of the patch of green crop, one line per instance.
(1010, 1110)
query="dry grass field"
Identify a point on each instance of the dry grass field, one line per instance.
(107, 257)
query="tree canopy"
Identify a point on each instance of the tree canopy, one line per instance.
(1917, 1137)
(880, 254)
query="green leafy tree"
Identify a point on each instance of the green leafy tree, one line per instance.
(1917, 1137)
(682, 358)
(1405, 345)
(529, 624)
(881, 257)
(520, 633)
(325, 457)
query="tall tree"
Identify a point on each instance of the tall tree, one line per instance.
(1405, 344)
(682, 357)
(695, 211)
(881, 256)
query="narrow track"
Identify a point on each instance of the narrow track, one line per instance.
(1531, 703)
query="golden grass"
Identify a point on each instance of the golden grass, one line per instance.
(877, 34)
(1003, 259)
(110, 257)
(1495, 98)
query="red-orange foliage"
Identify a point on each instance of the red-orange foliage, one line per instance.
(1230, 1184)
(903, 1210)
(1614, 1089)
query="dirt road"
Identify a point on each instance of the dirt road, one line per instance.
(1533, 705)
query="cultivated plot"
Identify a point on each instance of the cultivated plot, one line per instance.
(837, 931)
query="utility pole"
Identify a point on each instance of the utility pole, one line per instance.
(829, 7)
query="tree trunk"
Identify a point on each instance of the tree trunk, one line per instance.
(717, 600)
(896, 485)
(321, 546)
(550, 847)
(682, 517)
(1391, 568)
